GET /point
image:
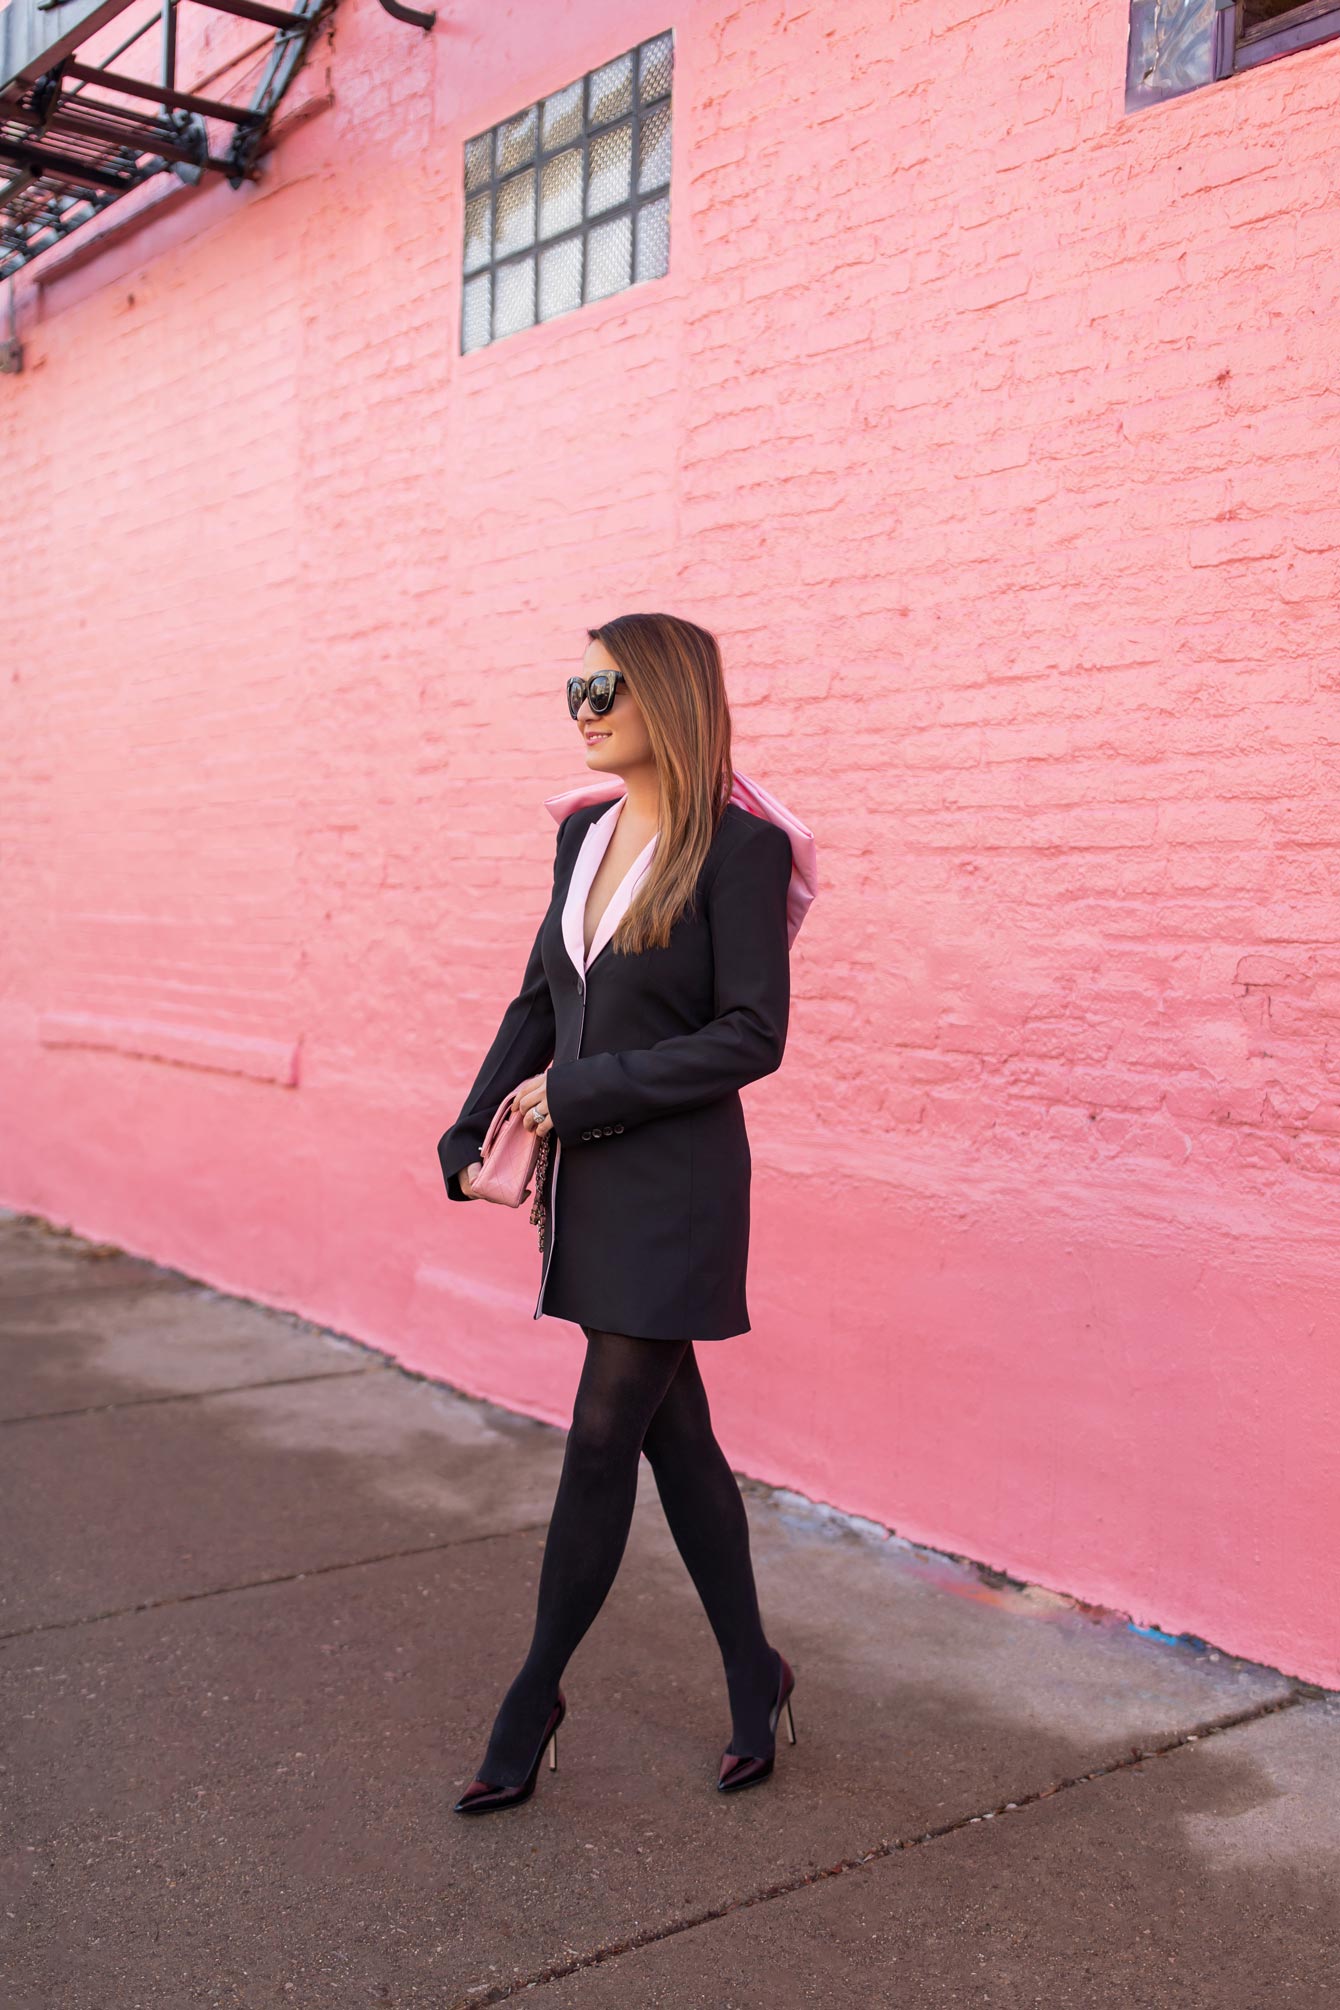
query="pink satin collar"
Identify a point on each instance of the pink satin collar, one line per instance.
(750, 795)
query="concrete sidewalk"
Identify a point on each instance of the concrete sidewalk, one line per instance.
(264, 1591)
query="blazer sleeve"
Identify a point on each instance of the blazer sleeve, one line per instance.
(747, 918)
(522, 1046)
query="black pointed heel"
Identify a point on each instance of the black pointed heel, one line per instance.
(481, 1796)
(742, 1770)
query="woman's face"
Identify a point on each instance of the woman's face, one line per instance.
(623, 741)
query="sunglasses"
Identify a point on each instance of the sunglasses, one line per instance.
(600, 688)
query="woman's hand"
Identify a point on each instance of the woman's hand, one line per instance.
(532, 1099)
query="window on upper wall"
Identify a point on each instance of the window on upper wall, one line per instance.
(569, 201)
(1257, 30)
(1177, 45)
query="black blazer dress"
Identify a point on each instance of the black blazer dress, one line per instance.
(647, 1219)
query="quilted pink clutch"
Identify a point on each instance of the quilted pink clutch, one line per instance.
(508, 1157)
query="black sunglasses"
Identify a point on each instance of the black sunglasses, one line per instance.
(599, 687)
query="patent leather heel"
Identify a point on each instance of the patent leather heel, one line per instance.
(482, 1796)
(743, 1770)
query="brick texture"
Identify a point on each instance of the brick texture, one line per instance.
(994, 431)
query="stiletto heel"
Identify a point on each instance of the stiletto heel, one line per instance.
(481, 1796)
(743, 1770)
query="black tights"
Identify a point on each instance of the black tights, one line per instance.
(639, 1396)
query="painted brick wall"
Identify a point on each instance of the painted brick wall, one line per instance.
(994, 431)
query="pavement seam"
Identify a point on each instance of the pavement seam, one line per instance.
(262, 1583)
(484, 1994)
(190, 1395)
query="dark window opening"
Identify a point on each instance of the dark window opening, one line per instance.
(1257, 31)
(1255, 13)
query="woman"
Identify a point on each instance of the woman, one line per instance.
(659, 984)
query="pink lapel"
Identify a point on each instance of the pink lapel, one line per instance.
(587, 864)
(750, 795)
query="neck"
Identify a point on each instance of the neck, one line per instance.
(643, 797)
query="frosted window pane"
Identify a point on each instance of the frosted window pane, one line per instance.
(560, 278)
(608, 257)
(516, 140)
(653, 239)
(478, 156)
(654, 73)
(516, 214)
(610, 160)
(612, 90)
(561, 192)
(475, 312)
(654, 139)
(562, 116)
(478, 231)
(514, 297)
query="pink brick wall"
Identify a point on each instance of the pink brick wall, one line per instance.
(994, 431)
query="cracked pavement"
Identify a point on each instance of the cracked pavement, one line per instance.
(263, 1591)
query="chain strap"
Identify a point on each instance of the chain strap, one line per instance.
(538, 1210)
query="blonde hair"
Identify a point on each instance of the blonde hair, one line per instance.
(673, 669)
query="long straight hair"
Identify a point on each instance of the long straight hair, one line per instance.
(673, 669)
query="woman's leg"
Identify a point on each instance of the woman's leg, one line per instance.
(622, 1382)
(707, 1519)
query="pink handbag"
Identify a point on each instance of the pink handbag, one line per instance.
(511, 1155)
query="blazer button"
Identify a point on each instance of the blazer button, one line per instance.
(618, 1127)
(586, 1134)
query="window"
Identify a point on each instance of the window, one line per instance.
(1177, 45)
(569, 201)
(1254, 31)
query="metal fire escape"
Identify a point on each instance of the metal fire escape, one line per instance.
(67, 154)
